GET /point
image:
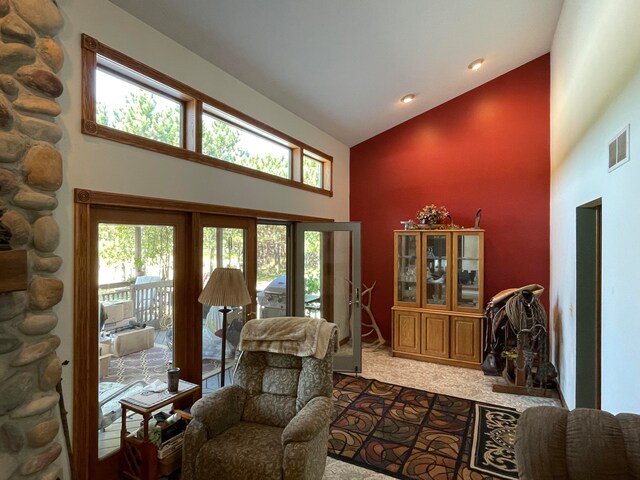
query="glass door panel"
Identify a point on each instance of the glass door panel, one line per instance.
(135, 319)
(272, 254)
(468, 265)
(221, 247)
(407, 277)
(328, 283)
(436, 270)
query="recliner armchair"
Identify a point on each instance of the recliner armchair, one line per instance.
(272, 423)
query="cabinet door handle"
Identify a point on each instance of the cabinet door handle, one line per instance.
(357, 297)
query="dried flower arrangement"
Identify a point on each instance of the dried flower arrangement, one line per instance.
(432, 215)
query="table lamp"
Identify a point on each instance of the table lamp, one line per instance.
(227, 288)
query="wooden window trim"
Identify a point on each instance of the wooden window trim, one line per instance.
(94, 197)
(191, 129)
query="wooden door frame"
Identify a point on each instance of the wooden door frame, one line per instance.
(588, 304)
(85, 395)
(87, 207)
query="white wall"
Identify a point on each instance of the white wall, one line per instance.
(99, 164)
(595, 92)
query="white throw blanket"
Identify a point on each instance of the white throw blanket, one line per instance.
(299, 336)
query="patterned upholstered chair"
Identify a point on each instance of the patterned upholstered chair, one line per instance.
(272, 423)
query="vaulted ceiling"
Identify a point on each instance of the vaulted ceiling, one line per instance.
(343, 65)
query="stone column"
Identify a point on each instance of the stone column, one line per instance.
(30, 175)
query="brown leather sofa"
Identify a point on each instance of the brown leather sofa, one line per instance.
(584, 444)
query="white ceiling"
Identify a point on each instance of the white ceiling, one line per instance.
(343, 65)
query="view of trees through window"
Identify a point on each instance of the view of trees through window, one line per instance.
(127, 251)
(232, 144)
(125, 106)
(312, 244)
(311, 172)
(272, 252)
(130, 108)
(222, 247)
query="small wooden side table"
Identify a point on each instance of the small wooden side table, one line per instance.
(139, 457)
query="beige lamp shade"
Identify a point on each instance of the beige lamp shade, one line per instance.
(226, 287)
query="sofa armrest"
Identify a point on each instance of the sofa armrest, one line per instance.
(540, 443)
(221, 409)
(309, 421)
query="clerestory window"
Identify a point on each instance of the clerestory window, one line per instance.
(124, 105)
(223, 140)
(125, 101)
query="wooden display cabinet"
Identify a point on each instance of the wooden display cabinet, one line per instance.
(435, 335)
(438, 296)
(406, 331)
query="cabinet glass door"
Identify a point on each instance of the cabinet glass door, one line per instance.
(468, 258)
(436, 274)
(407, 276)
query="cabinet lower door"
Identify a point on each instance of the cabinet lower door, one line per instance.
(466, 344)
(435, 335)
(406, 331)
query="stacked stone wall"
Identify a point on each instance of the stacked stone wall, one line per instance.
(30, 175)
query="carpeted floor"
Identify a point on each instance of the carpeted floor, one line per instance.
(409, 433)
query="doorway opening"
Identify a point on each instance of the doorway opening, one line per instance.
(588, 303)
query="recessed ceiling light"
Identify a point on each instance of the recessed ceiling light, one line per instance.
(476, 64)
(408, 98)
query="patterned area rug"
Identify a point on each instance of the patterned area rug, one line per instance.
(149, 365)
(405, 432)
(494, 435)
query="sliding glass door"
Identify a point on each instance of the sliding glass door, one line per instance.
(139, 270)
(135, 256)
(135, 331)
(273, 262)
(229, 243)
(328, 284)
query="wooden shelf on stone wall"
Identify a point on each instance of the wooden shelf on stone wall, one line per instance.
(13, 268)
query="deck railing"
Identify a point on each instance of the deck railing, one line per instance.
(152, 302)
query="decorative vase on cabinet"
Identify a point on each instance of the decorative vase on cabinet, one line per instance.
(438, 296)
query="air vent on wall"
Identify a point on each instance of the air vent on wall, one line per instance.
(619, 149)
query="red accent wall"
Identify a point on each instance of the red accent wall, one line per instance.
(489, 149)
